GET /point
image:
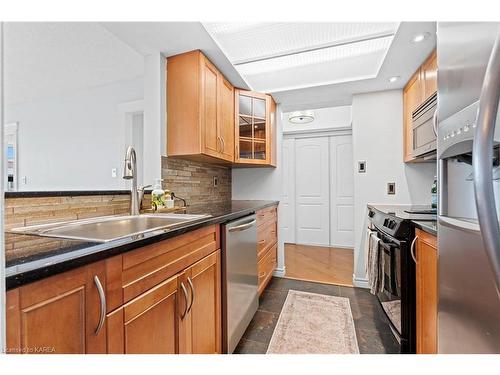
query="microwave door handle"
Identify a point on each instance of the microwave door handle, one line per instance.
(482, 156)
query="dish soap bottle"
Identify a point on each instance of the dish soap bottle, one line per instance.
(434, 195)
(157, 196)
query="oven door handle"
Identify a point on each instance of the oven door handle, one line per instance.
(385, 245)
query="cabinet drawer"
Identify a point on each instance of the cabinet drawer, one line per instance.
(266, 237)
(266, 215)
(148, 266)
(266, 267)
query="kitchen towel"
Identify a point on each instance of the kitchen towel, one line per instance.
(375, 264)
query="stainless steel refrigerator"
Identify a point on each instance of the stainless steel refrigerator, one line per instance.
(468, 131)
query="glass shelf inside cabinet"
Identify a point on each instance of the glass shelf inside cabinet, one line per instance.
(252, 127)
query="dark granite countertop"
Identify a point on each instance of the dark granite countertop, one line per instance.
(30, 258)
(427, 226)
(405, 211)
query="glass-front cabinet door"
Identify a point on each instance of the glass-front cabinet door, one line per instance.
(253, 127)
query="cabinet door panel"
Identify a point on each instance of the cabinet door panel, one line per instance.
(412, 98)
(201, 327)
(147, 324)
(206, 308)
(57, 315)
(226, 126)
(429, 76)
(209, 98)
(426, 276)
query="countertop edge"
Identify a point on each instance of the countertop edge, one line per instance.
(18, 279)
(418, 224)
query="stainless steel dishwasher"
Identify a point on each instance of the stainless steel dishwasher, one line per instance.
(240, 279)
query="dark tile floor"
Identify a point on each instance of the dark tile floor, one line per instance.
(372, 327)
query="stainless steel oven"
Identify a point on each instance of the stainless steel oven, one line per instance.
(424, 133)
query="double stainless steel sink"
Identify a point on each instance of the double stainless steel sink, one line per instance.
(110, 228)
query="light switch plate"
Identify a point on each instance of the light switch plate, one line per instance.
(362, 166)
(391, 188)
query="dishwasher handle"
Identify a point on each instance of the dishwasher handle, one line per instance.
(243, 226)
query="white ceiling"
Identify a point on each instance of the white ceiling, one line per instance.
(274, 57)
(172, 38)
(51, 58)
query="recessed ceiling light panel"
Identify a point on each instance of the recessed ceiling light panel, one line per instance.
(275, 57)
(393, 79)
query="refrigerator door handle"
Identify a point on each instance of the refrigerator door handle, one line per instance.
(482, 155)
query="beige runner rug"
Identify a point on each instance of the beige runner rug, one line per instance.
(312, 323)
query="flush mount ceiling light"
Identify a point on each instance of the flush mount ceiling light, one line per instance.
(301, 117)
(393, 79)
(420, 37)
(275, 57)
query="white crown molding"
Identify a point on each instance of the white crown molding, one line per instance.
(309, 133)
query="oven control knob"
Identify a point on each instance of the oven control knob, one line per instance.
(371, 213)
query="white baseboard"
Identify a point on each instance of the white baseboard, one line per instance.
(360, 282)
(279, 272)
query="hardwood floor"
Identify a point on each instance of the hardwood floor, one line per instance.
(320, 264)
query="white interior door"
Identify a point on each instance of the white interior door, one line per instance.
(341, 192)
(312, 215)
(287, 205)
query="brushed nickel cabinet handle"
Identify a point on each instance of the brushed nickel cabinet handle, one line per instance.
(412, 249)
(102, 300)
(218, 144)
(223, 144)
(191, 286)
(184, 291)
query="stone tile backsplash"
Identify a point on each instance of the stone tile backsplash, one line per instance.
(20, 212)
(193, 181)
(190, 180)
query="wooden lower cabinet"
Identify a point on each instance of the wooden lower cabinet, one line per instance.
(58, 315)
(427, 296)
(200, 329)
(162, 298)
(148, 324)
(267, 227)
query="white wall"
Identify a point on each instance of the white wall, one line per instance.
(154, 116)
(72, 142)
(2, 252)
(324, 119)
(378, 139)
(265, 184)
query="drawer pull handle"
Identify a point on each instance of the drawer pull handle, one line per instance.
(412, 249)
(191, 286)
(261, 275)
(102, 300)
(262, 241)
(184, 291)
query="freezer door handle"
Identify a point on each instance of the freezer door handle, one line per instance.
(482, 156)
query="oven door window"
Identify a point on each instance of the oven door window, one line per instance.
(390, 298)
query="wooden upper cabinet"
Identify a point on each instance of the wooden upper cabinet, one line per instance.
(412, 97)
(421, 86)
(429, 76)
(148, 324)
(255, 127)
(200, 326)
(198, 109)
(426, 290)
(226, 123)
(59, 315)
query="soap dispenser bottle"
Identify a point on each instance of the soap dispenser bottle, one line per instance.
(157, 196)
